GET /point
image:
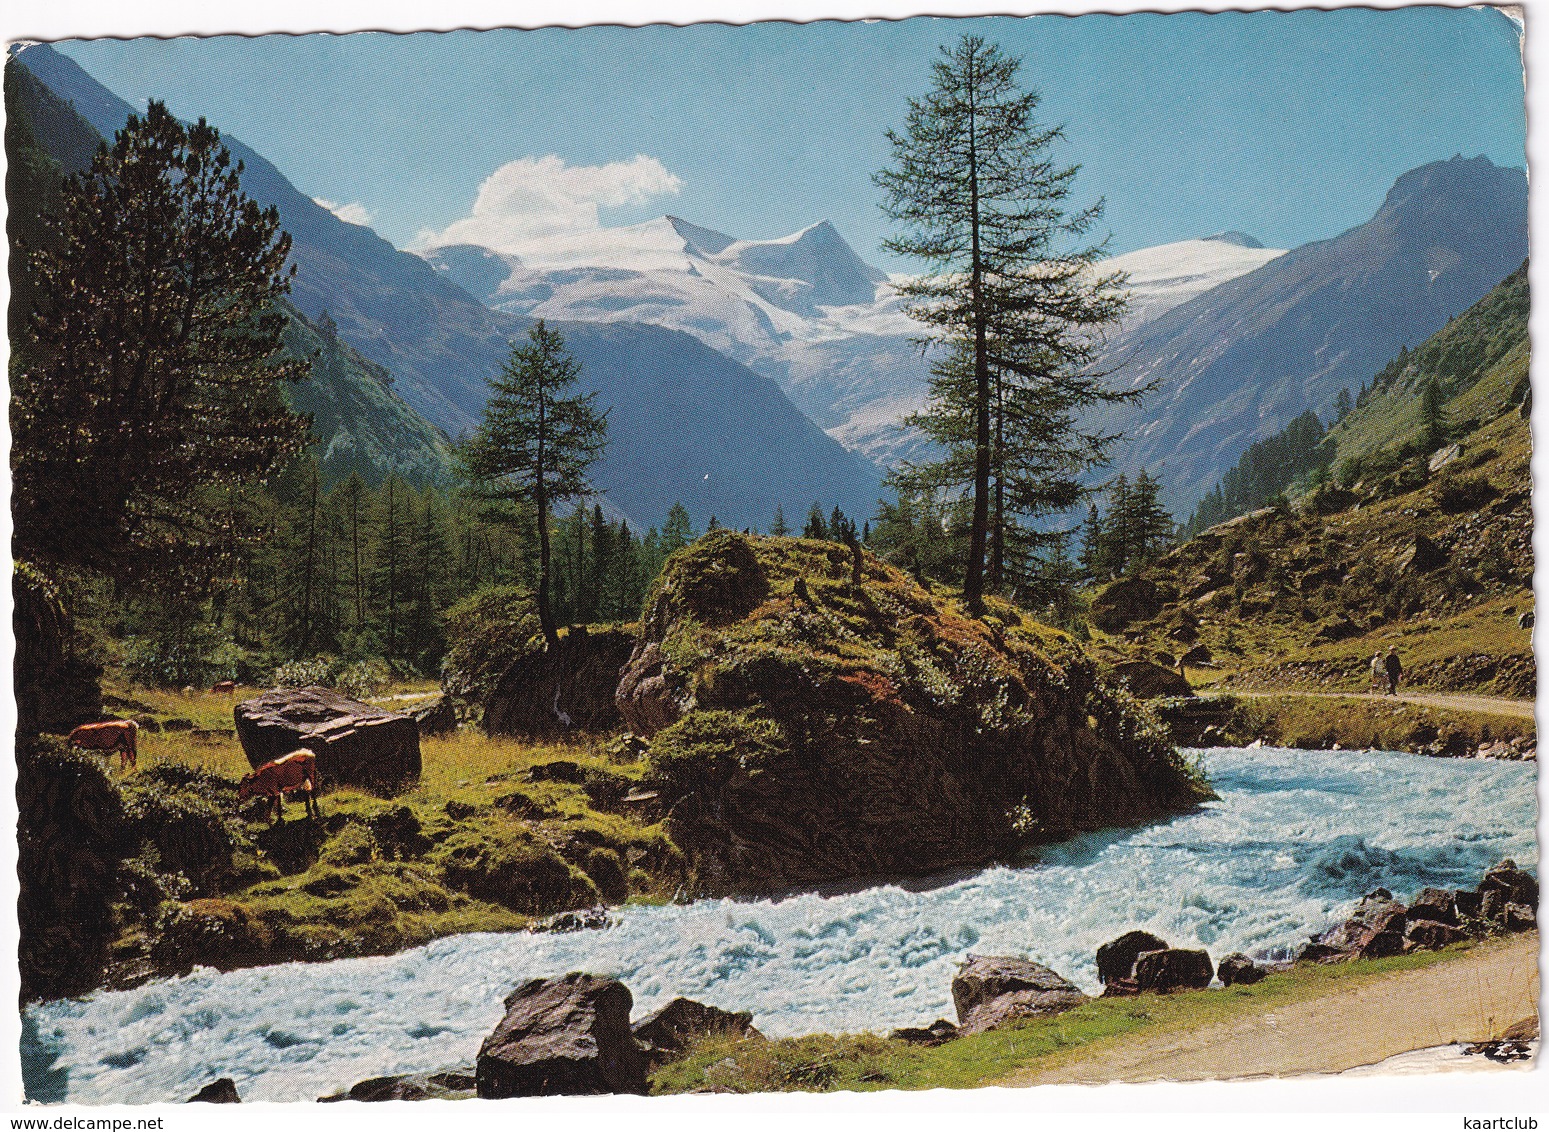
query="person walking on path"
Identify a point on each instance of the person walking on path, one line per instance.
(1379, 674)
(1395, 671)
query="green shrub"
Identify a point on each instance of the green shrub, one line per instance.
(1457, 493)
(485, 632)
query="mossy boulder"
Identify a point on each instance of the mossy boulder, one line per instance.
(506, 864)
(554, 692)
(812, 728)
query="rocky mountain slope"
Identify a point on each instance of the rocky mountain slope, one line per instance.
(1236, 363)
(687, 424)
(1426, 550)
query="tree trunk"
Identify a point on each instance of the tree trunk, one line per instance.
(973, 580)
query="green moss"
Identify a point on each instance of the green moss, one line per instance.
(710, 746)
(502, 862)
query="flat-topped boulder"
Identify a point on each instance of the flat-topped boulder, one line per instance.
(568, 1036)
(356, 744)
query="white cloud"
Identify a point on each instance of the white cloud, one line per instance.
(352, 213)
(546, 211)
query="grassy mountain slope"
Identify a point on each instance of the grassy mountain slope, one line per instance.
(360, 423)
(1436, 560)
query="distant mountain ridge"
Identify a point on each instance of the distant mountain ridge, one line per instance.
(1235, 363)
(803, 310)
(686, 424)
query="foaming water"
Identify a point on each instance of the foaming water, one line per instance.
(1296, 838)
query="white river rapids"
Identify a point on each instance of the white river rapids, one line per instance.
(1296, 838)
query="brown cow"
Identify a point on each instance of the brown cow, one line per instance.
(296, 771)
(109, 736)
(224, 688)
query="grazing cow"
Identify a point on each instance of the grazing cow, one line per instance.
(109, 736)
(296, 771)
(224, 688)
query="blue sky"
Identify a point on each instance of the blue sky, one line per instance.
(1289, 126)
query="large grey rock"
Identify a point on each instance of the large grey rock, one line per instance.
(650, 696)
(1147, 681)
(1430, 935)
(1516, 886)
(990, 991)
(1374, 930)
(1436, 904)
(1116, 958)
(1237, 969)
(668, 1031)
(1121, 603)
(356, 744)
(568, 1036)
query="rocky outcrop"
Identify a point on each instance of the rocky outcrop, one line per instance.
(1120, 604)
(667, 1032)
(222, 1090)
(990, 991)
(804, 728)
(1374, 930)
(356, 744)
(1238, 970)
(1513, 885)
(561, 690)
(1147, 681)
(568, 1036)
(1434, 904)
(71, 837)
(650, 694)
(1116, 958)
(1172, 969)
(447, 1085)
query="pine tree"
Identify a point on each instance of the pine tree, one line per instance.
(1433, 415)
(677, 531)
(150, 379)
(816, 527)
(984, 206)
(778, 528)
(1344, 404)
(536, 444)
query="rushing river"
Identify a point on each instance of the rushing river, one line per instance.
(1296, 838)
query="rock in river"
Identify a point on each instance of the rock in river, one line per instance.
(568, 1036)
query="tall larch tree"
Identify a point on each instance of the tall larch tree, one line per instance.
(1009, 297)
(536, 443)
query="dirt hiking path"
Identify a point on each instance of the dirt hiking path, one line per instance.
(1489, 705)
(1466, 999)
